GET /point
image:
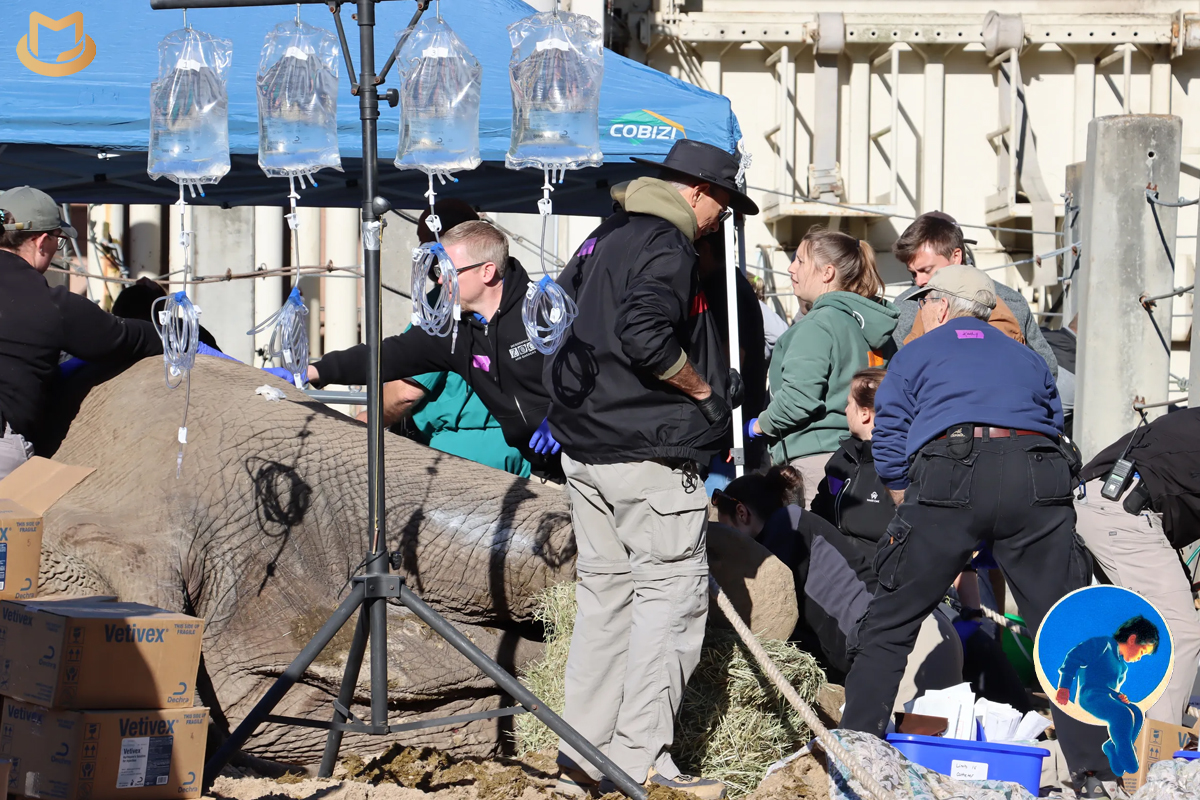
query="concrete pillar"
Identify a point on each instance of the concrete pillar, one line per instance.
(854, 165)
(1120, 356)
(106, 223)
(1160, 80)
(179, 220)
(341, 288)
(224, 241)
(825, 126)
(933, 135)
(1085, 93)
(1194, 354)
(590, 8)
(395, 266)
(268, 255)
(710, 66)
(145, 250)
(1073, 232)
(306, 252)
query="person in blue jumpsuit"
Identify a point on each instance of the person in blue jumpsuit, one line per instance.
(1096, 668)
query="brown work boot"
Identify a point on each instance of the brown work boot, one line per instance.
(575, 783)
(704, 788)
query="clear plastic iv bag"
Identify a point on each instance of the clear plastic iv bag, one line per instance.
(556, 69)
(189, 109)
(439, 101)
(297, 101)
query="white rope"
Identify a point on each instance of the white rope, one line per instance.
(833, 747)
(1013, 627)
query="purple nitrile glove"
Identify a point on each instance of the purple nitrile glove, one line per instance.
(750, 432)
(204, 350)
(280, 372)
(542, 442)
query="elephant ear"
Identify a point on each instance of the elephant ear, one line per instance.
(760, 585)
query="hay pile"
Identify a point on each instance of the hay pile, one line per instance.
(733, 724)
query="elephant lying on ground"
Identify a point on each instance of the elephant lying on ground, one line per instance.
(263, 529)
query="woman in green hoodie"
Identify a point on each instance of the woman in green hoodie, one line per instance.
(848, 328)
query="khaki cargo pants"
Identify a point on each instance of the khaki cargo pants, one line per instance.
(642, 593)
(1134, 553)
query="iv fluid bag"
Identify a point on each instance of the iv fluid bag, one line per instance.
(439, 101)
(189, 109)
(556, 69)
(297, 101)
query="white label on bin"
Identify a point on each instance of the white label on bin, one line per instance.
(134, 754)
(968, 770)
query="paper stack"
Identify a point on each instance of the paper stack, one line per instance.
(966, 717)
(956, 704)
(1003, 723)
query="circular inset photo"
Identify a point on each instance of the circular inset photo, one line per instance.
(1104, 655)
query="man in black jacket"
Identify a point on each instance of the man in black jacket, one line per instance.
(638, 403)
(493, 352)
(38, 323)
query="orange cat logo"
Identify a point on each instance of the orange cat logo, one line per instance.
(65, 63)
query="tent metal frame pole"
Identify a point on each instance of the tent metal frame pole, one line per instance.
(373, 591)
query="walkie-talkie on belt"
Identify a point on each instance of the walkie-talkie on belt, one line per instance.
(1118, 478)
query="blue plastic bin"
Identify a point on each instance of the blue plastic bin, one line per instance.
(1186, 755)
(965, 760)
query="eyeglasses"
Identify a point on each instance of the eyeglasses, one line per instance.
(726, 214)
(437, 269)
(725, 503)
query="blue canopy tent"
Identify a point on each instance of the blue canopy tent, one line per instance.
(83, 137)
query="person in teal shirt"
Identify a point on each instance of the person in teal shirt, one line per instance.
(451, 418)
(446, 414)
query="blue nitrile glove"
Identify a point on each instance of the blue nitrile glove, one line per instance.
(204, 350)
(750, 432)
(280, 372)
(543, 442)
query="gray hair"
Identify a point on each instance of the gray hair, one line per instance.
(962, 307)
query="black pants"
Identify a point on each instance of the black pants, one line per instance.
(1014, 493)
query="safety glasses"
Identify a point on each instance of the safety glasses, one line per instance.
(437, 269)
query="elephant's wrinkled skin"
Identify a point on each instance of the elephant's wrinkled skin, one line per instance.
(266, 526)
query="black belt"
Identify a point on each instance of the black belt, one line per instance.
(1000, 433)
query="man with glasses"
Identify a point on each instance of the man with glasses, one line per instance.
(492, 352)
(39, 322)
(639, 404)
(439, 409)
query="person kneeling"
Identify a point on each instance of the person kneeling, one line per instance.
(834, 581)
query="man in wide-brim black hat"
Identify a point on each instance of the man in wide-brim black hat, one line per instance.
(638, 402)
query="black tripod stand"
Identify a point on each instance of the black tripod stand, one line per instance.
(372, 591)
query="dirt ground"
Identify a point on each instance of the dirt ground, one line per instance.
(410, 774)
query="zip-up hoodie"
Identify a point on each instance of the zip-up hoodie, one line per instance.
(811, 370)
(642, 317)
(495, 357)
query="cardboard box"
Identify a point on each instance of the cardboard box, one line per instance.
(25, 495)
(94, 653)
(1158, 741)
(103, 755)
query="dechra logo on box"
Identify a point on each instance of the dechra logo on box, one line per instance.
(61, 64)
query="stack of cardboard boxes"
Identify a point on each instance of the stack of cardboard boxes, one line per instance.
(98, 695)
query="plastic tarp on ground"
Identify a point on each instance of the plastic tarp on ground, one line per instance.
(54, 128)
